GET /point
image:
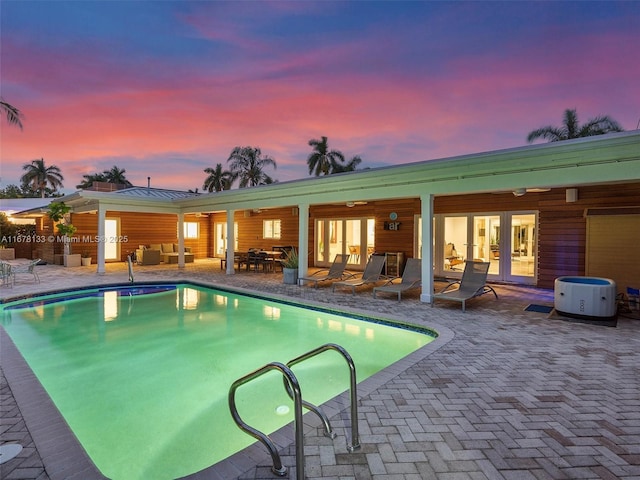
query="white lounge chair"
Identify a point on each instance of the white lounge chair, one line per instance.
(411, 278)
(335, 272)
(372, 274)
(473, 284)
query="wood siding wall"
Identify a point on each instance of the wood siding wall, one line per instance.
(250, 228)
(141, 229)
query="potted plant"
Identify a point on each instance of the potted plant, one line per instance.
(60, 213)
(290, 268)
(86, 258)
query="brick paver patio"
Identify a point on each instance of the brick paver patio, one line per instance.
(504, 394)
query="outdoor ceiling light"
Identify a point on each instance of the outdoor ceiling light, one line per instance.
(518, 192)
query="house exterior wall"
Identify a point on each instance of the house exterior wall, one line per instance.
(561, 235)
(140, 229)
(250, 227)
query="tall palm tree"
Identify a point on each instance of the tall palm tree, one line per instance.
(322, 160)
(572, 129)
(40, 176)
(116, 175)
(350, 166)
(218, 179)
(14, 115)
(247, 165)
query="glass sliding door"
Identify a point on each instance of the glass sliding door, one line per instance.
(352, 236)
(220, 240)
(507, 240)
(456, 245)
(486, 241)
(523, 247)
(112, 234)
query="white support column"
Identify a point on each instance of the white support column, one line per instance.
(181, 240)
(102, 218)
(427, 247)
(231, 242)
(303, 239)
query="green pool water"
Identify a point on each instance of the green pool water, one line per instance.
(142, 380)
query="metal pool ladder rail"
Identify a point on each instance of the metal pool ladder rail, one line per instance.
(292, 387)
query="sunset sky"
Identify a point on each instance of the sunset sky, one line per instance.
(168, 88)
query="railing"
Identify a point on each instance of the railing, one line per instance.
(130, 265)
(292, 387)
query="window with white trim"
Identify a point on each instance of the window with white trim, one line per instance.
(271, 229)
(191, 229)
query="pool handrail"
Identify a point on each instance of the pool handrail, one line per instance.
(277, 467)
(292, 387)
(355, 441)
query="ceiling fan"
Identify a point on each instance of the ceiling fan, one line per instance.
(519, 192)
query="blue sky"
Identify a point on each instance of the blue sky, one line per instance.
(168, 88)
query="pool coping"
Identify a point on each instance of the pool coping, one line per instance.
(63, 456)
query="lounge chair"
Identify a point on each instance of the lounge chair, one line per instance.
(372, 274)
(29, 268)
(335, 272)
(411, 278)
(473, 284)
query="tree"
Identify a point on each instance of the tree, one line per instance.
(40, 176)
(323, 161)
(247, 165)
(218, 179)
(572, 129)
(13, 115)
(348, 167)
(116, 175)
(61, 215)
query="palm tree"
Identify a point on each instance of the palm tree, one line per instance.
(323, 161)
(572, 129)
(89, 179)
(348, 167)
(40, 176)
(116, 175)
(247, 164)
(13, 114)
(218, 179)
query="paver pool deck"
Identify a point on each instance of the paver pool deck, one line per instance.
(503, 394)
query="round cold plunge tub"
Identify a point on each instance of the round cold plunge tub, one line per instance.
(589, 298)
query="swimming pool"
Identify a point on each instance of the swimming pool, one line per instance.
(142, 376)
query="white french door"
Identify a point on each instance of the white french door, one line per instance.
(352, 236)
(505, 239)
(112, 235)
(220, 240)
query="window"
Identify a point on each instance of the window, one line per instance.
(191, 229)
(271, 229)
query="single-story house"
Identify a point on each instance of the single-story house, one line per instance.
(535, 212)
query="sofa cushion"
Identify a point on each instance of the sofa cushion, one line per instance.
(167, 248)
(155, 246)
